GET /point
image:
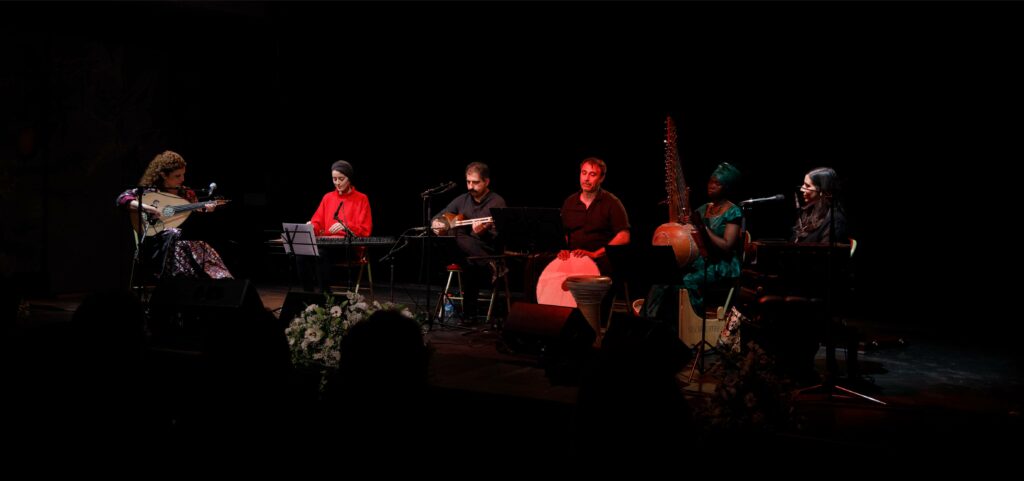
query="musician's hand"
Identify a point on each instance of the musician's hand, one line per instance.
(479, 227)
(336, 228)
(583, 253)
(437, 224)
(210, 207)
(686, 218)
(563, 255)
(152, 211)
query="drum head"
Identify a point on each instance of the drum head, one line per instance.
(549, 286)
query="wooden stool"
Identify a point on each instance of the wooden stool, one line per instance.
(454, 272)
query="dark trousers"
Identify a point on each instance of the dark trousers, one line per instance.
(474, 276)
(475, 273)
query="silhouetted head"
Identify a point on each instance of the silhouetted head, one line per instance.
(385, 351)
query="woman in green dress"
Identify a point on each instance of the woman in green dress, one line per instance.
(720, 220)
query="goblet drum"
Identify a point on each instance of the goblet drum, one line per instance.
(588, 291)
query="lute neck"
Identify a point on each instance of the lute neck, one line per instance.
(188, 207)
(463, 222)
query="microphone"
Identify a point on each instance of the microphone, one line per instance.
(763, 199)
(440, 189)
(209, 190)
(338, 210)
(348, 232)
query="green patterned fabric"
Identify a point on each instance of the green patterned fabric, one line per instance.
(720, 269)
(724, 267)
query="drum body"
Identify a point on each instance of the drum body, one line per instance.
(589, 291)
(551, 287)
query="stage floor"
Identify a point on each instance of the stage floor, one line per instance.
(937, 389)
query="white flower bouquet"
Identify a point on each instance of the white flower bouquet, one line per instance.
(314, 336)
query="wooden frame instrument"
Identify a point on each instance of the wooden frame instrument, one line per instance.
(676, 232)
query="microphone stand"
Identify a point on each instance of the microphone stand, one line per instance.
(425, 259)
(428, 196)
(390, 259)
(140, 236)
(831, 365)
(348, 249)
(828, 384)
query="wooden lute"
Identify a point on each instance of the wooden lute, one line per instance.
(173, 211)
(452, 221)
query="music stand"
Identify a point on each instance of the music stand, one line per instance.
(643, 265)
(529, 229)
(660, 267)
(299, 240)
(829, 385)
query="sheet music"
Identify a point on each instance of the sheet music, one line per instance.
(302, 239)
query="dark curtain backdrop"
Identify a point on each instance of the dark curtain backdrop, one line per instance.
(261, 98)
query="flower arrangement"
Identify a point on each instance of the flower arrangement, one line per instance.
(314, 336)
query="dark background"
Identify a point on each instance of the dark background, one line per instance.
(915, 104)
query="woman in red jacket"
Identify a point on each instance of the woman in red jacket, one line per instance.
(343, 212)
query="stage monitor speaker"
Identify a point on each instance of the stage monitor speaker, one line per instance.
(539, 320)
(205, 293)
(533, 327)
(186, 313)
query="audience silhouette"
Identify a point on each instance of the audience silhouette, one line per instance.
(379, 393)
(630, 402)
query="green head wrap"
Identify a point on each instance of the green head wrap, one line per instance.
(727, 175)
